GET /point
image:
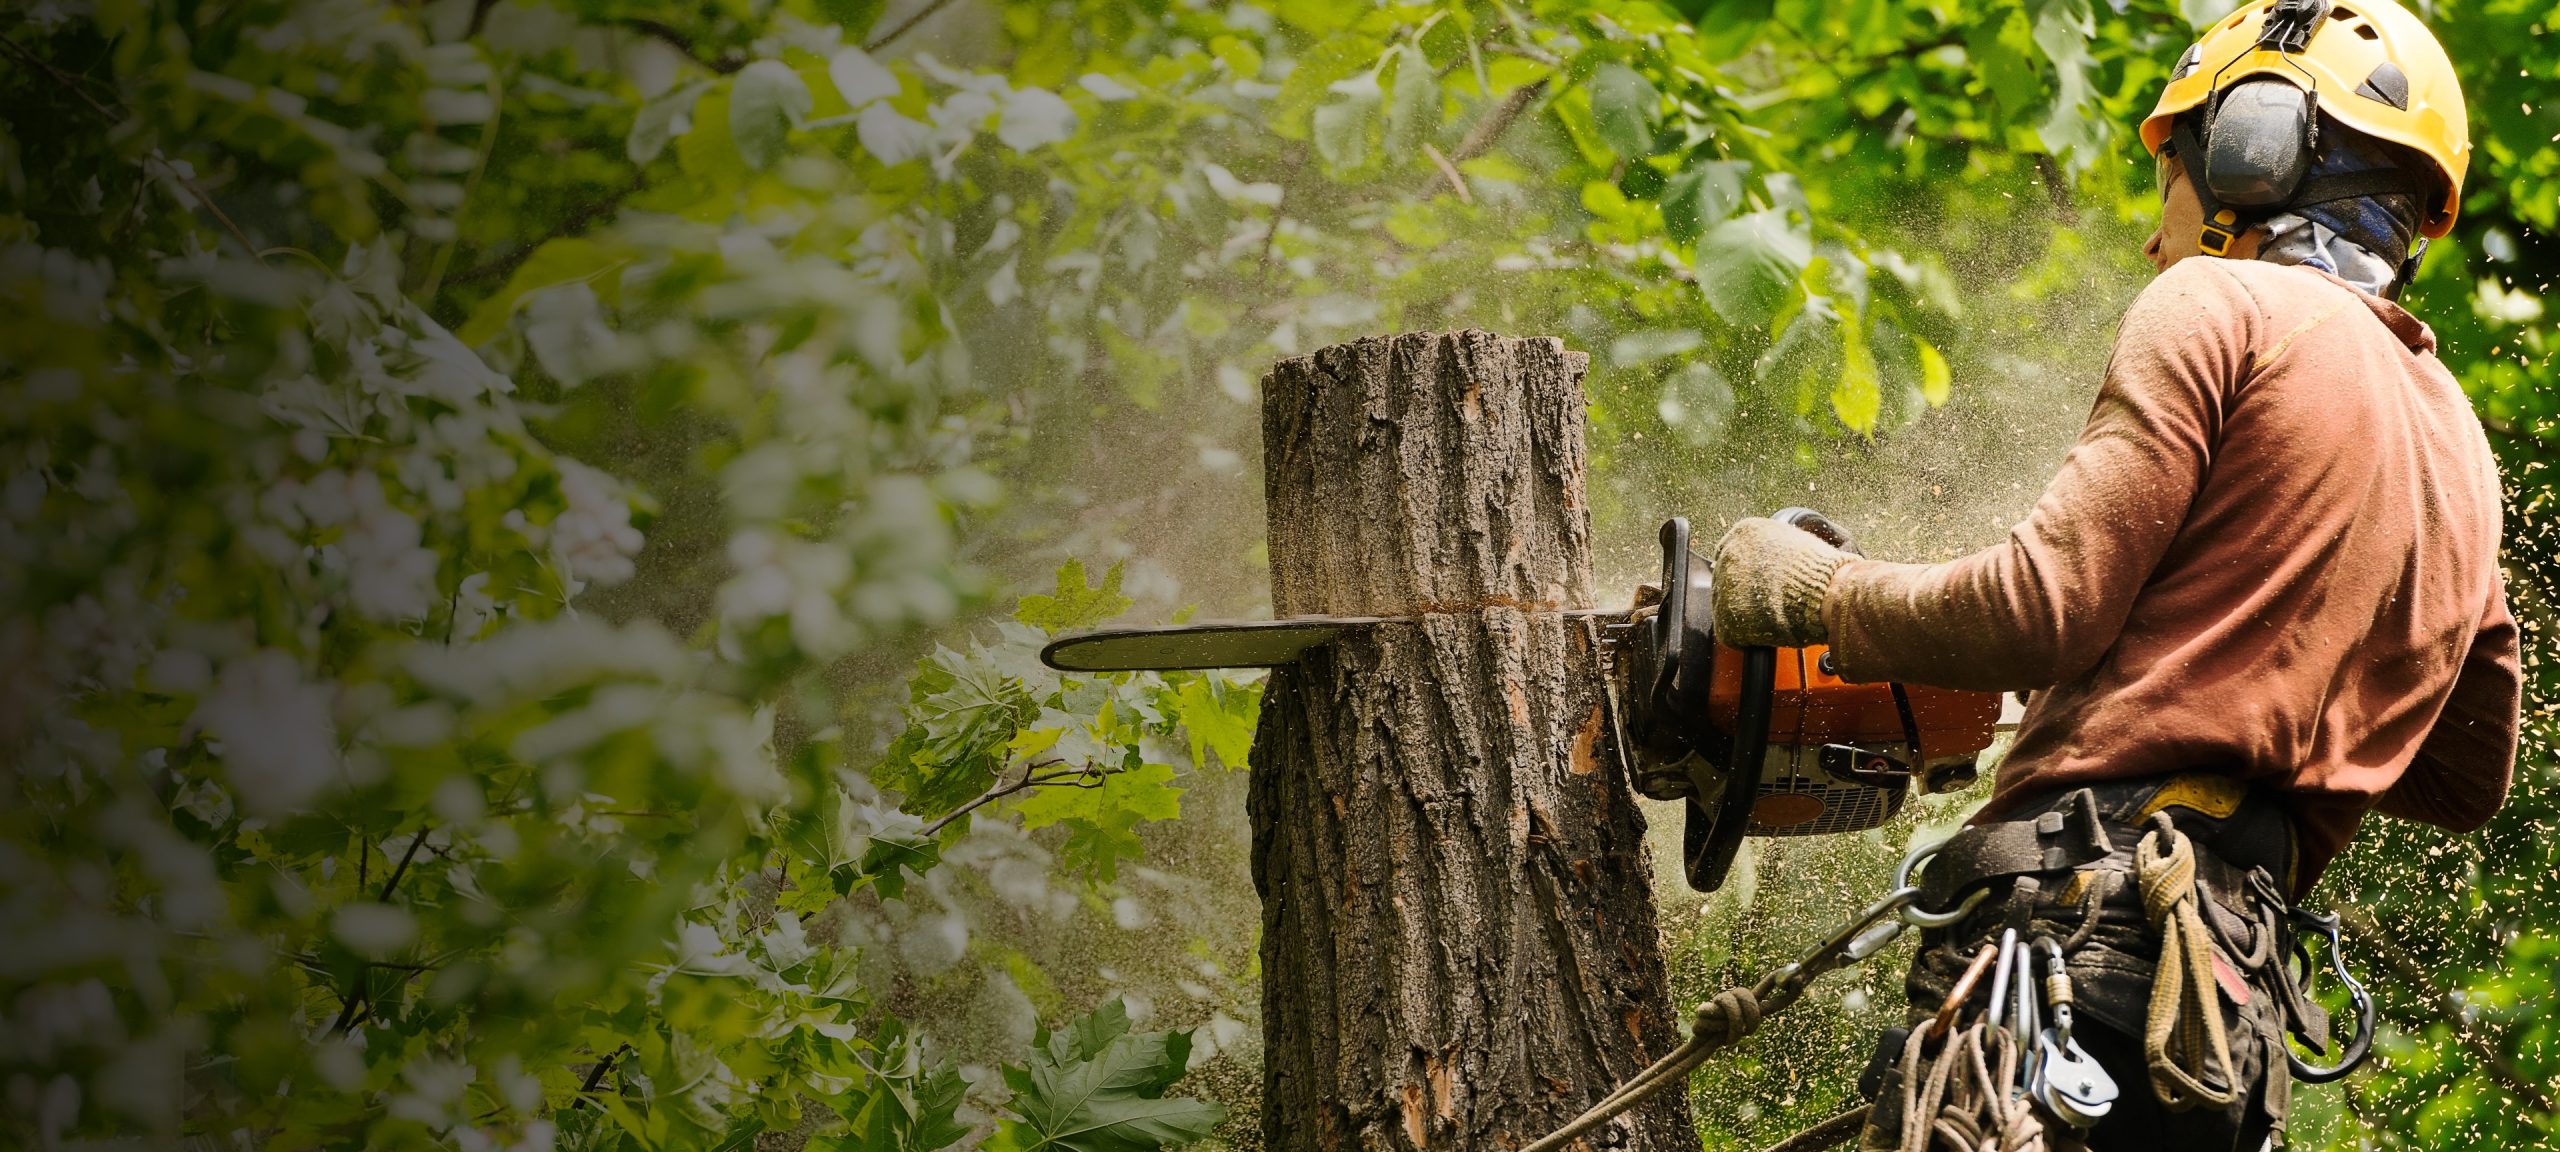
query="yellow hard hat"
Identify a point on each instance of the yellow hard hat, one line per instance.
(2369, 64)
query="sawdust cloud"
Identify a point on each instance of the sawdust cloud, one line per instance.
(1187, 521)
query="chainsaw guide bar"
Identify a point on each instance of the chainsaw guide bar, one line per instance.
(1219, 644)
(1751, 741)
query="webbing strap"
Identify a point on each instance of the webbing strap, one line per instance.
(2060, 839)
(2185, 1018)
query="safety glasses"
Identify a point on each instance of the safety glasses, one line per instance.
(2164, 168)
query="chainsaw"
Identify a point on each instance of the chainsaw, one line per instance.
(1756, 741)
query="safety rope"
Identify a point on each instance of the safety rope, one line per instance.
(1737, 1012)
(1733, 1014)
(1963, 1101)
(2185, 1009)
(1830, 1133)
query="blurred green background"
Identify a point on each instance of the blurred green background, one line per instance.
(526, 523)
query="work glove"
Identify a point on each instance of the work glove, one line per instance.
(1770, 579)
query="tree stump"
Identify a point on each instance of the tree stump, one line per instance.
(1458, 941)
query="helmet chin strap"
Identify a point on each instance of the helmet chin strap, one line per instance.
(2222, 225)
(2408, 270)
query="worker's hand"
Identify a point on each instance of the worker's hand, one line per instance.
(1770, 579)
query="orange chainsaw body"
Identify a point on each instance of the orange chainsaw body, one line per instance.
(1811, 707)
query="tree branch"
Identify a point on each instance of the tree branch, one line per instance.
(675, 38)
(1482, 136)
(1457, 183)
(2418, 978)
(2507, 429)
(595, 1075)
(1031, 778)
(577, 222)
(1830, 1133)
(67, 81)
(2056, 189)
(72, 84)
(353, 1008)
(908, 25)
(239, 237)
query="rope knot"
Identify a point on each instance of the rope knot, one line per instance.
(1732, 1015)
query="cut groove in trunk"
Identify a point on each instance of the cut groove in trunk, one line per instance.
(1458, 942)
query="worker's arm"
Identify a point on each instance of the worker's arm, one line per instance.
(2047, 603)
(2468, 760)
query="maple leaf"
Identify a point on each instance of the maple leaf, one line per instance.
(1095, 1086)
(1076, 604)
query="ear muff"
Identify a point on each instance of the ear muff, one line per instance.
(2259, 143)
(2371, 65)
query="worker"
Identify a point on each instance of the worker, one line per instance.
(2260, 599)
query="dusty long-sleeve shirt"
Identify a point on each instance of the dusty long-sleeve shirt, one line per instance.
(2272, 553)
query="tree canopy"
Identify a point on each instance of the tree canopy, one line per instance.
(517, 513)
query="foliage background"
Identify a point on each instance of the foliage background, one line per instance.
(514, 511)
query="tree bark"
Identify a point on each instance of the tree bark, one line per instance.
(1458, 941)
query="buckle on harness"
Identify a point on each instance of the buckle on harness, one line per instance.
(2215, 237)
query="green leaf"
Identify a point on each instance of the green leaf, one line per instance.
(1623, 107)
(1695, 403)
(1746, 266)
(1321, 17)
(963, 714)
(766, 101)
(889, 860)
(658, 122)
(854, 16)
(1101, 816)
(2200, 13)
(2062, 31)
(2001, 55)
(1097, 1087)
(1702, 196)
(1857, 397)
(909, 1108)
(564, 261)
(1413, 103)
(707, 151)
(1343, 127)
(1243, 60)
(1218, 718)
(1317, 70)
(1076, 604)
(1937, 383)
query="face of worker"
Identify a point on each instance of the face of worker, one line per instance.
(2181, 218)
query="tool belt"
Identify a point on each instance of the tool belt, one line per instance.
(2067, 871)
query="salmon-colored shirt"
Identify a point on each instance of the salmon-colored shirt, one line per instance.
(2273, 553)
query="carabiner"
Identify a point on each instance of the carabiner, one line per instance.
(2326, 923)
(1911, 912)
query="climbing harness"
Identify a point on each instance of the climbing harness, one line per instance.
(2185, 945)
(1980, 1086)
(1999, 1080)
(1738, 1012)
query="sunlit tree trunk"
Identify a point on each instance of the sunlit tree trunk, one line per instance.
(1458, 943)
